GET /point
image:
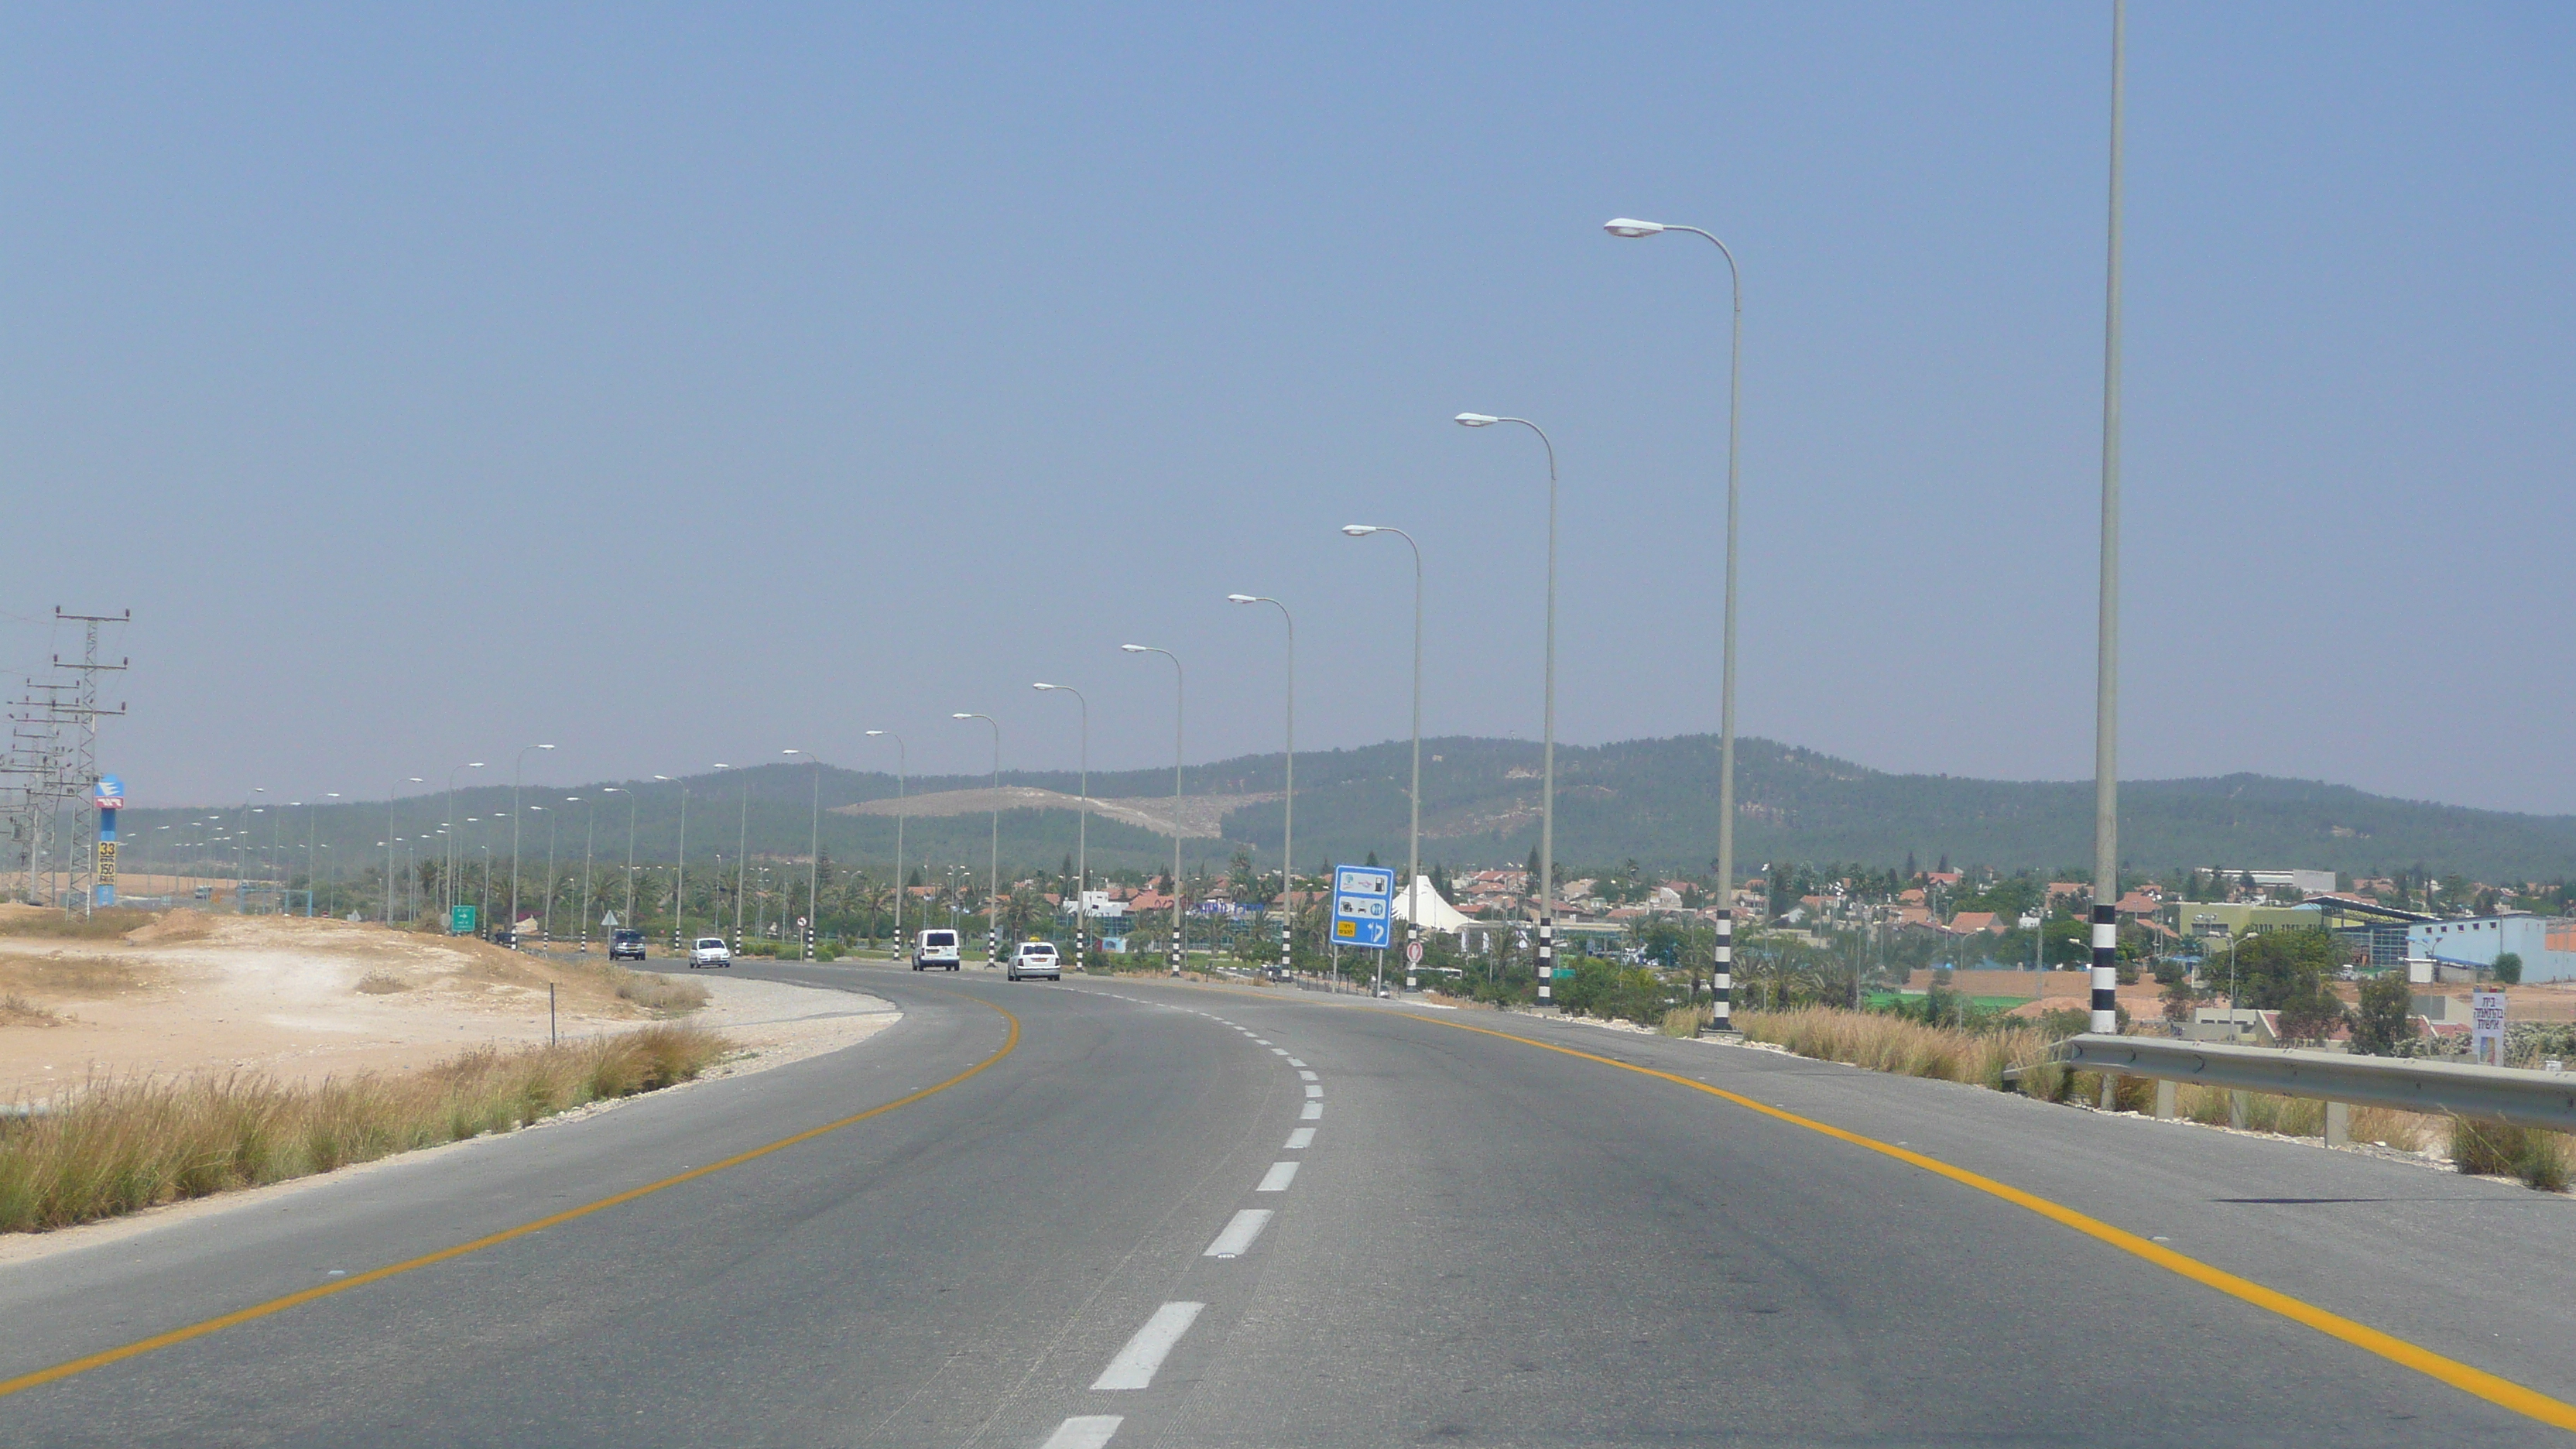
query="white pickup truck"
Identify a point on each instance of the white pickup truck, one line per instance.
(709, 951)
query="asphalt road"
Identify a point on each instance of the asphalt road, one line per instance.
(1481, 1242)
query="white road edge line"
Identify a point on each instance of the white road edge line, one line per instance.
(1302, 1137)
(1084, 1431)
(1278, 1177)
(1134, 1366)
(1234, 1242)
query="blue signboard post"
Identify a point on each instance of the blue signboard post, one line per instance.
(109, 797)
(1362, 897)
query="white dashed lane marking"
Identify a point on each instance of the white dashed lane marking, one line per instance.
(1085, 1431)
(1308, 1077)
(1314, 1091)
(1314, 1112)
(1292, 1061)
(1135, 1364)
(1237, 1238)
(1278, 1177)
(1302, 1137)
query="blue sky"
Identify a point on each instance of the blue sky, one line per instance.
(680, 385)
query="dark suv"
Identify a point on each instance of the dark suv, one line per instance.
(626, 946)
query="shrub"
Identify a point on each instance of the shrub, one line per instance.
(2490, 1149)
(2508, 969)
(656, 992)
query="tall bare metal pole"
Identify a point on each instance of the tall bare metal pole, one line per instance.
(1288, 835)
(1413, 835)
(2106, 696)
(993, 882)
(902, 767)
(1081, 835)
(1180, 691)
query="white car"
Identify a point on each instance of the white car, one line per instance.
(935, 951)
(1036, 958)
(709, 951)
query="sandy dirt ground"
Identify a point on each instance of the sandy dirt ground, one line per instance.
(300, 1000)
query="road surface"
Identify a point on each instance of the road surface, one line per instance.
(1131, 1212)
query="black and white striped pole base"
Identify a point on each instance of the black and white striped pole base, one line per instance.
(993, 945)
(809, 940)
(1287, 941)
(2106, 967)
(1722, 977)
(1546, 960)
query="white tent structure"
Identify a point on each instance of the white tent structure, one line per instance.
(1437, 914)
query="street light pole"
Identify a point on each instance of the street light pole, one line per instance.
(993, 882)
(448, 826)
(2106, 689)
(389, 842)
(1413, 837)
(546, 930)
(517, 769)
(1081, 834)
(1722, 972)
(1547, 771)
(901, 764)
(813, 856)
(589, 846)
(628, 919)
(680, 878)
(1180, 690)
(1288, 832)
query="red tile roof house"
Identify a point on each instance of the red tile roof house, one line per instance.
(1968, 923)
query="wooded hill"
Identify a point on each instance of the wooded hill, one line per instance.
(1651, 800)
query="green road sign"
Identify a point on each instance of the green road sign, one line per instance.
(460, 920)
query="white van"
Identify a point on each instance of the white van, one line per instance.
(1036, 958)
(935, 951)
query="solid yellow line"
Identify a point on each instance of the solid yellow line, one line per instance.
(2502, 1392)
(375, 1275)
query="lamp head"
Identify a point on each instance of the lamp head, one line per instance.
(664, 778)
(1241, 599)
(1133, 648)
(1043, 685)
(414, 780)
(474, 764)
(1477, 420)
(961, 714)
(545, 747)
(1629, 226)
(791, 752)
(1359, 530)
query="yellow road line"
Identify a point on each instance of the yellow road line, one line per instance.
(375, 1275)
(2502, 1392)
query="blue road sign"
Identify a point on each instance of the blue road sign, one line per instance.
(1362, 895)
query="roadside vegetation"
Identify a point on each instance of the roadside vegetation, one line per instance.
(114, 1147)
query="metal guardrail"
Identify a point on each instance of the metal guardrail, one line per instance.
(2485, 1094)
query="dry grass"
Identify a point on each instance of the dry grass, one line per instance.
(62, 974)
(119, 1147)
(2539, 1158)
(656, 992)
(1886, 1043)
(382, 983)
(16, 1010)
(107, 925)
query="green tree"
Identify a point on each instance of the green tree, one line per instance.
(2508, 968)
(2383, 1019)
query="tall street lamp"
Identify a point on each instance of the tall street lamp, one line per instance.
(1081, 833)
(1180, 690)
(1547, 772)
(389, 842)
(900, 768)
(448, 827)
(627, 919)
(546, 929)
(589, 846)
(993, 881)
(680, 878)
(1413, 908)
(1722, 974)
(741, 853)
(813, 855)
(2106, 686)
(518, 768)
(1288, 833)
